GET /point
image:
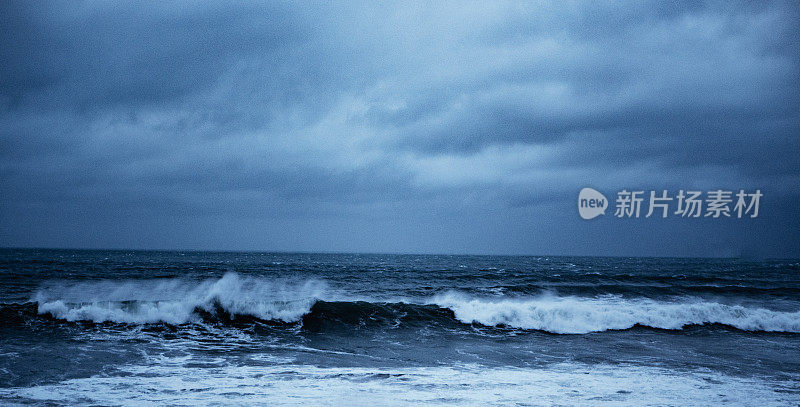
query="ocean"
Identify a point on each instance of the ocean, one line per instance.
(217, 328)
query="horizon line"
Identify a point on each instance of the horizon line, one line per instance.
(266, 251)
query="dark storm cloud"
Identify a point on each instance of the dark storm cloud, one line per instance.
(106, 54)
(398, 127)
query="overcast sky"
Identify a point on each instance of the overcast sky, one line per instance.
(409, 127)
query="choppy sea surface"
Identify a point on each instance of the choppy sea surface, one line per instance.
(210, 328)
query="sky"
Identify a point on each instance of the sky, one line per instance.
(410, 127)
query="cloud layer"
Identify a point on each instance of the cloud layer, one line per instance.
(404, 127)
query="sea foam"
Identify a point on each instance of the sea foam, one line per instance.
(573, 315)
(176, 301)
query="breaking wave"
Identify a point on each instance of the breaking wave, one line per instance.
(313, 305)
(178, 302)
(574, 315)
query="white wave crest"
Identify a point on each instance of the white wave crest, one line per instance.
(575, 315)
(174, 301)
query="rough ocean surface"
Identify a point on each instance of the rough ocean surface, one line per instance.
(196, 328)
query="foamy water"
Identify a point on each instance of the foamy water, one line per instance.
(171, 382)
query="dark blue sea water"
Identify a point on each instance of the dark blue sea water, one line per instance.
(189, 328)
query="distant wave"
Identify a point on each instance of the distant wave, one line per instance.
(234, 297)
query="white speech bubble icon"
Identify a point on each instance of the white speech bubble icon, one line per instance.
(591, 203)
